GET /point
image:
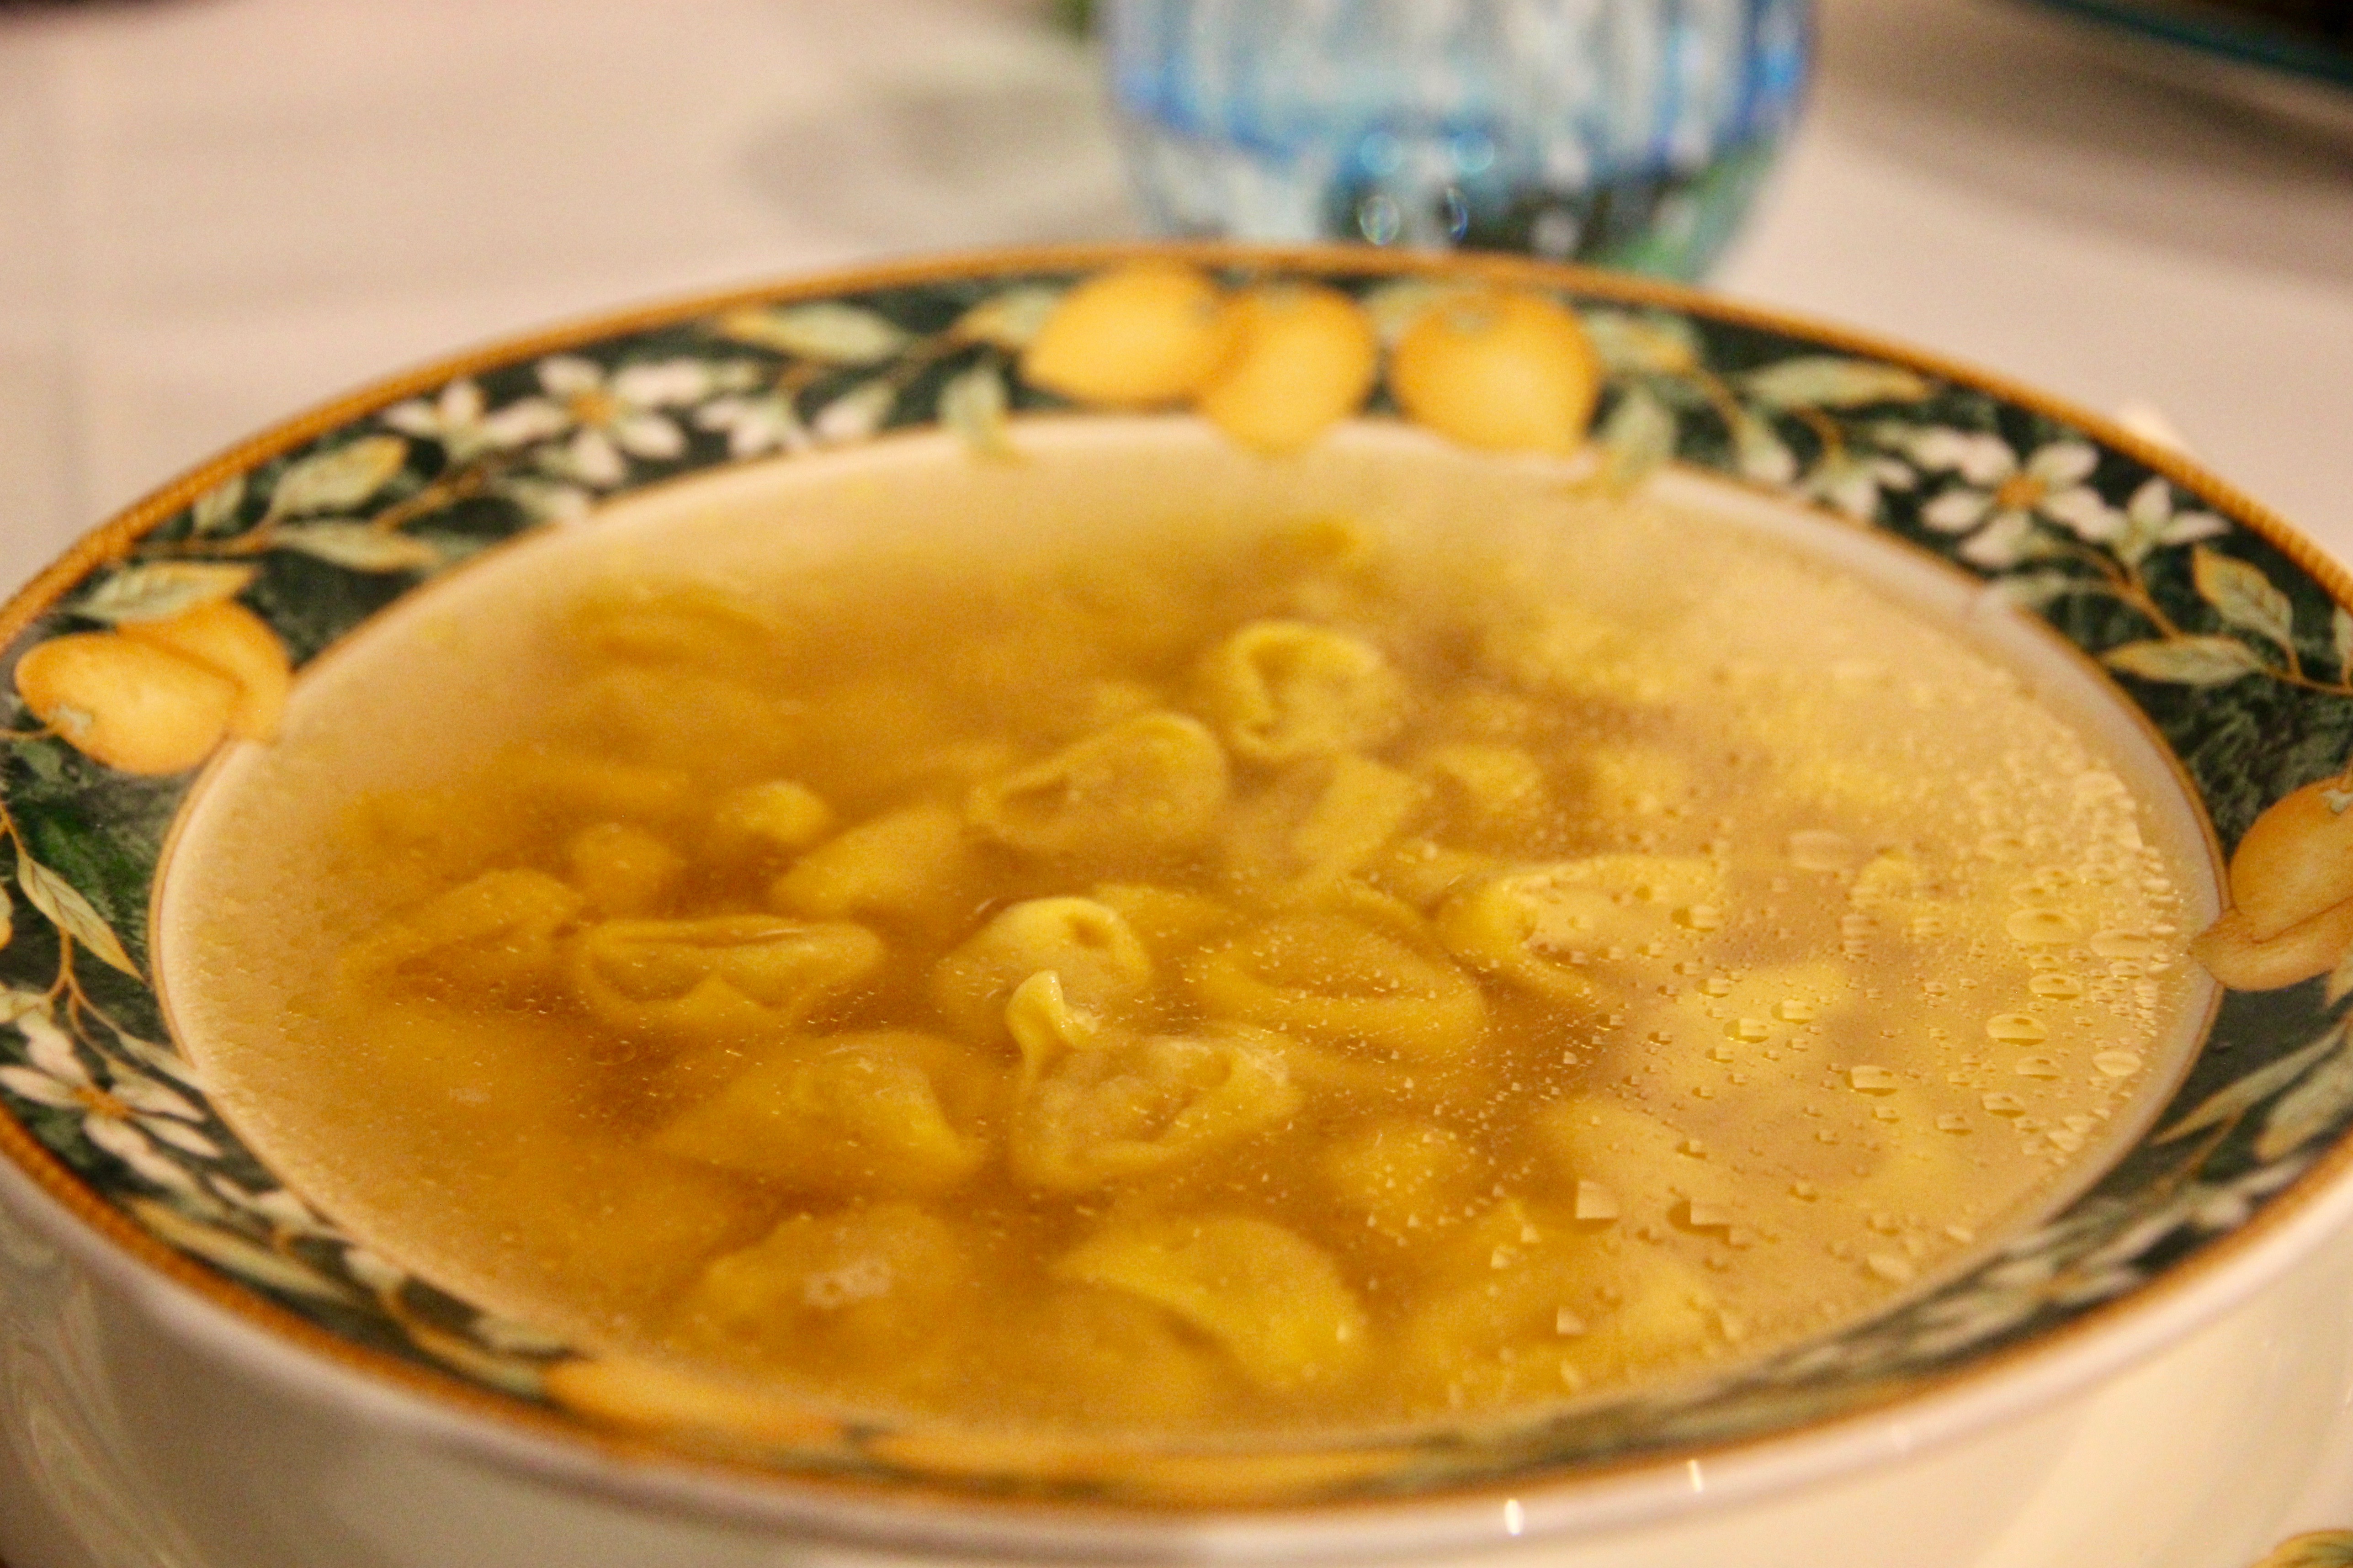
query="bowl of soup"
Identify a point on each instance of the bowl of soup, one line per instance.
(1138, 905)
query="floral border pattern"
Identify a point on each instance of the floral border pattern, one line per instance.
(2240, 659)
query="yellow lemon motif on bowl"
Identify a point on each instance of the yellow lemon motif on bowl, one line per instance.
(1501, 371)
(2291, 914)
(1142, 336)
(1303, 357)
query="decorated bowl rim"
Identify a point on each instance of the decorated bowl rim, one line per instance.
(1587, 1496)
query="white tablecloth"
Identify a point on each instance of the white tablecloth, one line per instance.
(215, 212)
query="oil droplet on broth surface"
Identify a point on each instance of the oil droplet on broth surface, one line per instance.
(2043, 926)
(2036, 1066)
(2117, 1064)
(1871, 1081)
(2002, 1104)
(2056, 986)
(2016, 1028)
(2126, 944)
(1819, 849)
(2002, 847)
(1699, 1214)
(1751, 1031)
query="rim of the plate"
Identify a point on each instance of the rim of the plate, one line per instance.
(1590, 1495)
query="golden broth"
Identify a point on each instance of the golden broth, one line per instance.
(1099, 944)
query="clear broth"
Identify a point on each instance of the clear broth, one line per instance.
(1575, 969)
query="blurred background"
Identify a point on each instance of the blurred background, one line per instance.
(213, 212)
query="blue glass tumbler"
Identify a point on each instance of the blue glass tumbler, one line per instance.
(1629, 133)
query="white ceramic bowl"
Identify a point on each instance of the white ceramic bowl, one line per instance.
(199, 1369)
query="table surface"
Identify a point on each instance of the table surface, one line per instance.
(213, 212)
(220, 210)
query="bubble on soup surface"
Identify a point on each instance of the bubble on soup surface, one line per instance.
(2016, 1028)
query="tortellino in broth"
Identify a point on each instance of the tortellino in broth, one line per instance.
(1284, 979)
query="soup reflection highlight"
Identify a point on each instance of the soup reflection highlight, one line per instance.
(1251, 968)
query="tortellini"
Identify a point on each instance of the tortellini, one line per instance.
(1563, 650)
(666, 712)
(1525, 1305)
(1145, 784)
(1097, 1106)
(1488, 786)
(1087, 945)
(721, 976)
(1273, 1300)
(1112, 1358)
(914, 864)
(1499, 1290)
(867, 1284)
(863, 1114)
(1326, 822)
(1335, 980)
(622, 870)
(697, 625)
(1403, 1176)
(774, 818)
(1283, 690)
(1556, 928)
(498, 931)
(1618, 1160)
(1171, 922)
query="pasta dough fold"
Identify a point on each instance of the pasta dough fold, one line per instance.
(1089, 945)
(1097, 1106)
(1273, 1301)
(854, 1114)
(1281, 691)
(1330, 978)
(719, 976)
(1145, 784)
